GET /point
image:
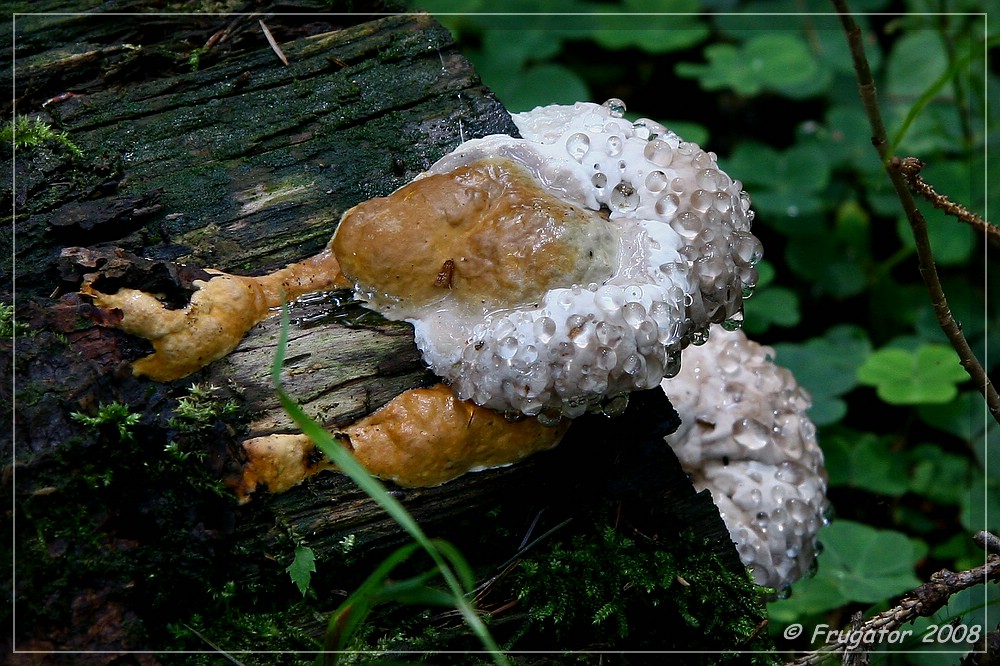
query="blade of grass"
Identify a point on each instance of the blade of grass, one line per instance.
(926, 98)
(347, 464)
(352, 612)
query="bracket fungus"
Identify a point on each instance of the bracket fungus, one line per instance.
(745, 436)
(545, 276)
(553, 274)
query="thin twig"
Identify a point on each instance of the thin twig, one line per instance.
(918, 225)
(223, 34)
(910, 168)
(921, 602)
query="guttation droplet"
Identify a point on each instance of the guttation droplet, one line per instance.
(616, 107)
(656, 181)
(615, 145)
(667, 206)
(624, 197)
(750, 433)
(545, 328)
(658, 152)
(577, 145)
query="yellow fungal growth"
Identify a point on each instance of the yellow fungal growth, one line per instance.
(423, 437)
(221, 310)
(484, 234)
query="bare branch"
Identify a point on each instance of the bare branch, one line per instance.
(918, 225)
(910, 167)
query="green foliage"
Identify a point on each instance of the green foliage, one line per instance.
(840, 296)
(302, 568)
(346, 621)
(25, 132)
(827, 367)
(770, 305)
(859, 564)
(769, 62)
(902, 377)
(115, 508)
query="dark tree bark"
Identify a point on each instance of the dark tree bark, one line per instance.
(200, 148)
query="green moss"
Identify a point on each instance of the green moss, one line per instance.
(116, 512)
(7, 323)
(115, 415)
(593, 586)
(25, 132)
(606, 588)
(200, 408)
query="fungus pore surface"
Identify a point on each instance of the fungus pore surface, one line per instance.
(746, 437)
(555, 273)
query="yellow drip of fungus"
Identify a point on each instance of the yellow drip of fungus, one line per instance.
(422, 437)
(221, 310)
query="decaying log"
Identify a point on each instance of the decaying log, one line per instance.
(201, 148)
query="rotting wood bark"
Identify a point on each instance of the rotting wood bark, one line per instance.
(246, 164)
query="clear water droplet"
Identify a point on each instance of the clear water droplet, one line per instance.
(751, 434)
(658, 152)
(707, 179)
(633, 364)
(615, 145)
(507, 348)
(599, 180)
(528, 354)
(545, 328)
(666, 206)
(615, 107)
(549, 417)
(656, 181)
(606, 358)
(671, 365)
(748, 248)
(701, 200)
(624, 197)
(723, 202)
(790, 472)
(687, 224)
(633, 314)
(702, 160)
(615, 405)
(578, 145)
(733, 323)
(610, 298)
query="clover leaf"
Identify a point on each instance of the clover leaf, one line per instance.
(903, 377)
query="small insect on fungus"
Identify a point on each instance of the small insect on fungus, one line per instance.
(444, 276)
